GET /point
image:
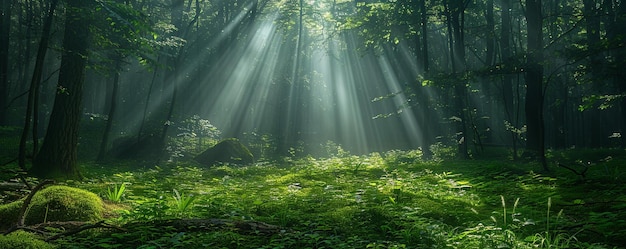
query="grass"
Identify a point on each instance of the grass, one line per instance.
(389, 200)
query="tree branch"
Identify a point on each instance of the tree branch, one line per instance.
(22, 214)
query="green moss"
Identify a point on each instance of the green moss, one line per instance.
(21, 239)
(8, 214)
(56, 203)
(227, 151)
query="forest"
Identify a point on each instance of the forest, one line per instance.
(312, 124)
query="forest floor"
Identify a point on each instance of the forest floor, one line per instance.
(380, 200)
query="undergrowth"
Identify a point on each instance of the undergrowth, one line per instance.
(393, 200)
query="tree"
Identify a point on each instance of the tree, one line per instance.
(455, 11)
(112, 110)
(58, 154)
(535, 143)
(119, 37)
(34, 88)
(173, 76)
(507, 80)
(618, 35)
(5, 30)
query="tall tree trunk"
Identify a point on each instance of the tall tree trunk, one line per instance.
(427, 112)
(147, 104)
(507, 79)
(173, 76)
(424, 26)
(455, 12)
(34, 86)
(288, 123)
(491, 35)
(535, 143)
(620, 56)
(592, 23)
(58, 155)
(5, 31)
(104, 144)
(26, 18)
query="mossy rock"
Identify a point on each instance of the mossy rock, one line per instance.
(55, 203)
(227, 151)
(25, 240)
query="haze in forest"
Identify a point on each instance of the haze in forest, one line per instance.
(302, 76)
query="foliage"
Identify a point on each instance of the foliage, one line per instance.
(194, 135)
(120, 32)
(115, 194)
(183, 203)
(262, 145)
(394, 200)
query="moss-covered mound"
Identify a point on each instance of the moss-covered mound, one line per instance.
(24, 240)
(227, 151)
(55, 203)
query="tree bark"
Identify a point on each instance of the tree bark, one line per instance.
(289, 122)
(173, 76)
(424, 26)
(34, 86)
(111, 115)
(491, 36)
(534, 82)
(455, 12)
(620, 57)
(58, 155)
(507, 79)
(5, 31)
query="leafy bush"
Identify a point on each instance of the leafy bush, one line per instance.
(442, 151)
(194, 135)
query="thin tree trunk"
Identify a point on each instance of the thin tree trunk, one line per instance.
(491, 36)
(288, 124)
(145, 108)
(111, 115)
(34, 85)
(455, 10)
(620, 56)
(534, 82)
(507, 79)
(424, 26)
(427, 113)
(173, 77)
(5, 32)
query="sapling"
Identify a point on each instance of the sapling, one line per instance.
(115, 194)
